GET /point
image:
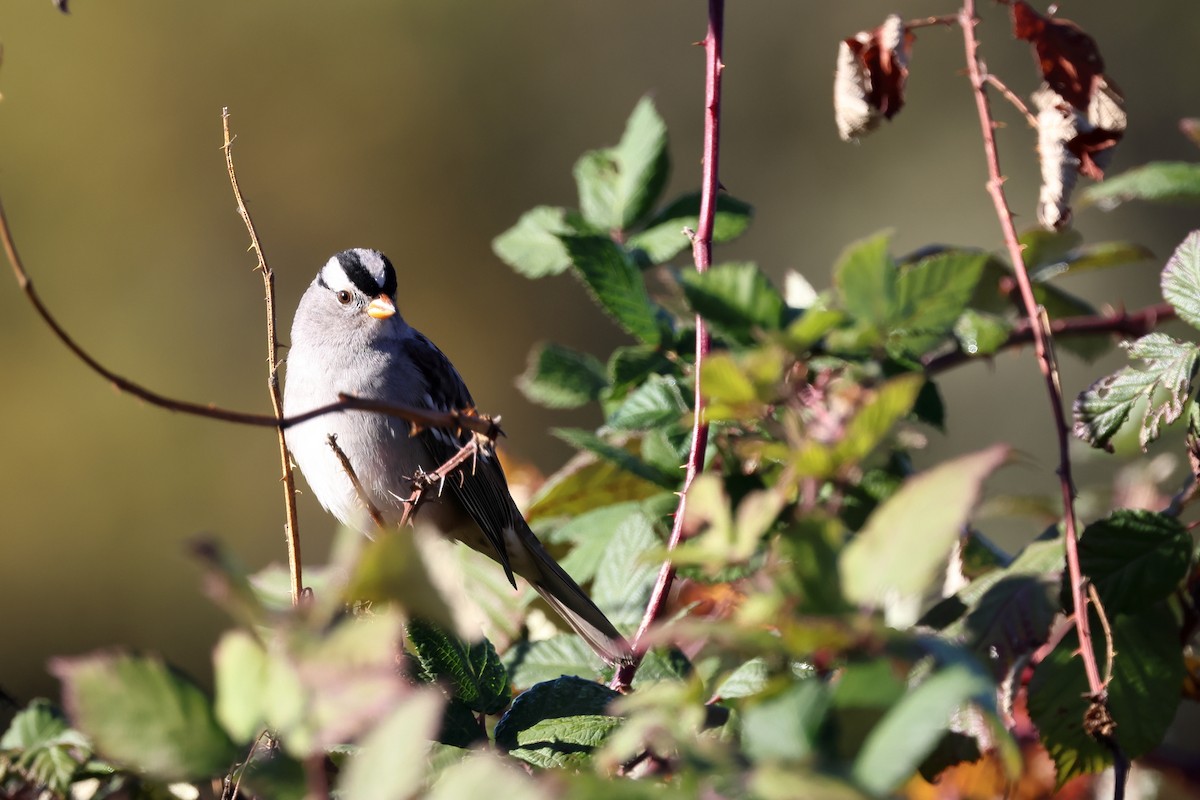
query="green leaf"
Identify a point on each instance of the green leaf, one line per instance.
(747, 680)
(739, 386)
(810, 327)
(1160, 181)
(563, 741)
(932, 293)
(656, 403)
(865, 278)
(391, 761)
(559, 377)
(785, 726)
(616, 284)
(241, 672)
(144, 715)
(1135, 558)
(1161, 386)
(530, 663)
(562, 697)
(626, 574)
(1041, 248)
(532, 247)
(486, 775)
(586, 440)
(917, 527)
(1181, 280)
(1143, 695)
(474, 671)
(590, 534)
(980, 333)
(459, 726)
(618, 186)
(43, 749)
(737, 300)
(632, 364)
(715, 537)
(664, 236)
(587, 482)
(914, 726)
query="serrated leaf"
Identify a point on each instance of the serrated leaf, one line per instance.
(913, 727)
(1135, 558)
(1181, 280)
(562, 697)
(617, 454)
(143, 715)
(532, 247)
(665, 236)
(40, 746)
(626, 574)
(618, 186)
(931, 294)
(591, 532)
(917, 526)
(1162, 384)
(785, 726)
(615, 282)
(630, 365)
(587, 482)
(390, 763)
(474, 671)
(1142, 696)
(531, 663)
(564, 741)
(865, 278)
(737, 300)
(1160, 181)
(559, 377)
(656, 403)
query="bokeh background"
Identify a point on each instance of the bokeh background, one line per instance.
(425, 129)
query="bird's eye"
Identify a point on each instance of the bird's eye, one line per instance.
(344, 297)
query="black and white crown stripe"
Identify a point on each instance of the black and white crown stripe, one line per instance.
(368, 271)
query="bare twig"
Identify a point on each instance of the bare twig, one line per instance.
(1121, 323)
(1042, 345)
(1011, 97)
(702, 256)
(945, 20)
(292, 524)
(348, 468)
(425, 480)
(1109, 651)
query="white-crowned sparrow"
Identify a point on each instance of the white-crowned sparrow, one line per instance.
(348, 337)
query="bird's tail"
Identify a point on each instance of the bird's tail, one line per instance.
(564, 595)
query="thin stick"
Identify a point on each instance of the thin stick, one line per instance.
(348, 468)
(1122, 323)
(1041, 342)
(1011, 97)
(702, 256)
(292, 524)
(947, 20)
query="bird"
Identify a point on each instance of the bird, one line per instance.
(348, 337)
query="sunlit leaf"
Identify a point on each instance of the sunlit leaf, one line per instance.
(562, 697)
(656, 403)
(390, 763)
(241, 672)
(1181, 280)
(472, 670)
(917, 527)
(737, 300)
(532, 247)
(665, 235)
(1161, 385)
(1171, 181)
(616, 284)
(785, 726)
(559, 377)
(487, 775)
(626, 573)
(530, 663)
(618, 186)
(43, 748)
(1135, 558)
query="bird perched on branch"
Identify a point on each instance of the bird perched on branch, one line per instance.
(348, 337)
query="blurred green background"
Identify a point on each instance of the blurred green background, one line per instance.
(424, 129)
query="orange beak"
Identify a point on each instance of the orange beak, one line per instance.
(381, 307)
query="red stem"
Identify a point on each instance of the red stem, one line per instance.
(702, 256)
(1041, 342)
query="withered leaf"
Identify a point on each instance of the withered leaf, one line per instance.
(872, 69)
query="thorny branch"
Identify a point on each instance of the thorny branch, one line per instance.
(1043, 344)
(292, 529)
(702, 256)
